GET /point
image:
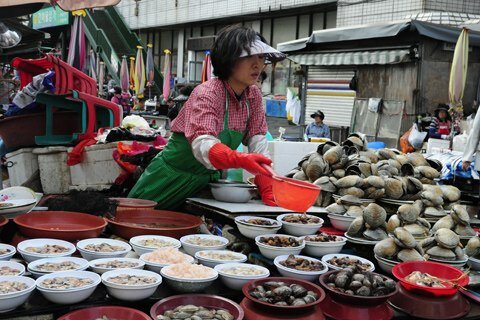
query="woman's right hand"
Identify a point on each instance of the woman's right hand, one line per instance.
(466, 165)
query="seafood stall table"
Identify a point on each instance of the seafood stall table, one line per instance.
(231, 210)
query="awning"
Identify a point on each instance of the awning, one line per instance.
(380, 57)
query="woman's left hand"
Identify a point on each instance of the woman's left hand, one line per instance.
(264, 184)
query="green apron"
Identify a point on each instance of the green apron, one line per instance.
(175, 174)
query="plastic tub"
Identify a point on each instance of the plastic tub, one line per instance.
(111, 312)
(376, 145)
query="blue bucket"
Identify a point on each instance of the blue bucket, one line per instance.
(376, 145)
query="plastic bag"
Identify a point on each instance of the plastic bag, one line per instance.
(405, 146)
(416, 137)
(133, 121)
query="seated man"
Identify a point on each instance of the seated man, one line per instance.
(318, 129)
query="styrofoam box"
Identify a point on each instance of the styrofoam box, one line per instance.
(22, 164)
(54, 171)
(438, 146)
(98, 167)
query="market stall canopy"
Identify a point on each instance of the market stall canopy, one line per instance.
(22, 7)
(31, 40)
(301, 50)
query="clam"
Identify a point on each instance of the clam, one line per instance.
(431, 199)
(409, 255)
(349, 200)
(324, 147)
(459, 253)
(464, 230)
(353, 170)
(393, 223)
(339, 173)
(374, 181)
(435, 164)
(387, 248)
(336, 209)
(403, 238)
(423, 223)
(292, 172)
(333, 155)
(416, 230)
(460, 214)
(408, 213)
(316, 167)
(376, 234)
(446, 238)
(353, 191)
(350, 181)
(416, 159)
(445, 222)
(354, 141)
(435, 212)
(426, 171)
(393, 188)
(426, 181)
(427, 243)
(355, 211)
(395, 164)
(402, 159)
(365, 169)
(414, 185)
(373, 193)
(473, 247)
(441, 253)
(300, 175)
(356, 227)
(325, 184)
(451, 193)
(385, 154)
(374, 215)
(419, 205)
(370, 155)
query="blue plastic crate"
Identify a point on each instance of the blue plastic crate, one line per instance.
(276, 108)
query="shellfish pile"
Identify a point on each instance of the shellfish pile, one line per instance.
(195, 313)
(365, 284)
(458, 220)
(347, 205)
(408, 217)
(371, 224)
(282, 294)
(472, 249)
(401, 247)
(443, 246)
(437, 199)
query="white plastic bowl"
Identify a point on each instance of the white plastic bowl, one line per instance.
(156, 267)
(232, 193)
(11, 301)
(236, 282)
(209, 262)
(298, 274)
(69, 296)
(191, 249)
(271, 252)
(243, 220)
(36, 273)
(131, 293)
(319, 249)
(299, 229)
(141, 249)
(9, 255)
(30, 256)
(188, 285)
(386, 265)
(13, 265)
(327, 257)
(474, 263)
(340, 222)
(92, 255)
(100, 270)
(251, 231)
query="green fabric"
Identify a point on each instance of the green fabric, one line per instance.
(175, 174)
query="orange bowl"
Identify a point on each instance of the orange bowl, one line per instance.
(111, 312)
(294, 194)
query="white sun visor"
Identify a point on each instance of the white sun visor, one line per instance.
(260, 47)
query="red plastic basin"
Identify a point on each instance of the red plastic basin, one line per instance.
(439, 270)
(133, 204)
(204, 300)
(130, 223)
(64, 225)
(111, 312)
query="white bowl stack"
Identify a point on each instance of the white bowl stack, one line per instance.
(236, 281)
(12, 300)
(93, 264)
(31, 256)
(131, 292)
(92, 255)
(13, 265)
(72, 295)
(156, 267)
(340, 222)
(299, 229)
(386, 265)
(319, 249)
(191, 249)
(7, 256)
(136, 243)
(36, 273)
(298, 274)
(251, 231)
(271, 252)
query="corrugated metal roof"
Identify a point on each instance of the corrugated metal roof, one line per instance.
(381, 57)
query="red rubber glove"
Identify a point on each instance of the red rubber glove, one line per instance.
(264, 184)
(222, 157)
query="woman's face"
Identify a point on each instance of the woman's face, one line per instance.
(442, 114)
(247, 70)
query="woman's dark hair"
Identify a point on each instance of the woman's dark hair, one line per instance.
(186, 91)
(231, 41)
(442, 107)
(117, 90)
(263, 76)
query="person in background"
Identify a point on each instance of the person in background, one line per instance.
(261, 78)
(122, 99)
(179, 101)
(318, 129)
(110, 82)
(441, 124)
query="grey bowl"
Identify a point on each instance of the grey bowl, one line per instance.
(235, 194)
(186, 286)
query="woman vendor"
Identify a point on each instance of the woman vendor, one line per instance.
(219, 115)
(441, 124)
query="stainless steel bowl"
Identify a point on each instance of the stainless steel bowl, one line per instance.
(233, 193)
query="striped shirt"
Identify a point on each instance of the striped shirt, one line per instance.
(204, 111)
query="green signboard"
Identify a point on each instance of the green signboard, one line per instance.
(49, 17)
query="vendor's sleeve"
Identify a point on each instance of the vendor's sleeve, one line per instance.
(473, 140)
(258, 144)
(201, 147)
(327, 132)
(202, 116)
(257, 124)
